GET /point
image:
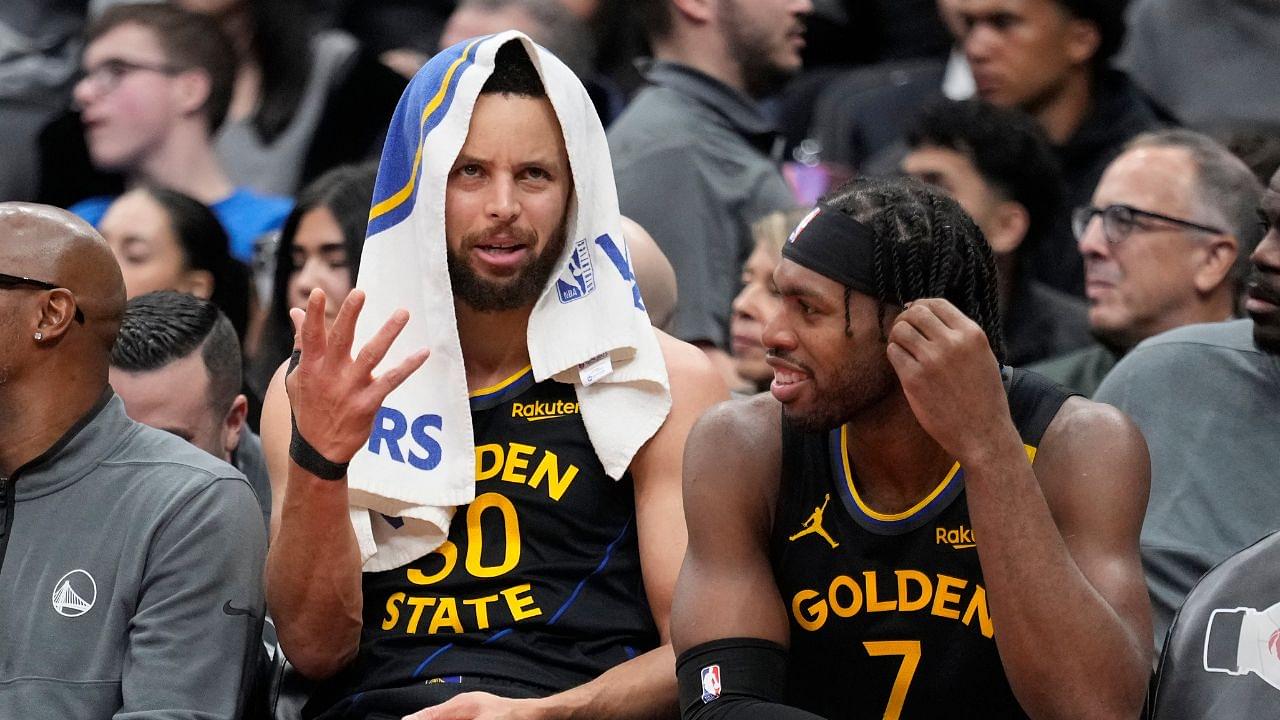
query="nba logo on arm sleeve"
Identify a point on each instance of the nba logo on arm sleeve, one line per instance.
(710, 683)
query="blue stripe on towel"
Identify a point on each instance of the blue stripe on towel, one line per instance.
(422, 107)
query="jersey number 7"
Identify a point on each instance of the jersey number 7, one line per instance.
(910, 652)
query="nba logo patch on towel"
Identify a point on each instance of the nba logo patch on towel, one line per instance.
(577, 280)
(710, 683)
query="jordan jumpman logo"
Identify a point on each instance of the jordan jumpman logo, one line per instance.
(814, 524)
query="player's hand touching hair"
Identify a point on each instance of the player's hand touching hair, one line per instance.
(950, 378)
(335, 397)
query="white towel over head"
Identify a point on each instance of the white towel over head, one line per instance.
(589, 327)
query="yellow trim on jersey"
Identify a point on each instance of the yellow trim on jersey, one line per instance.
(892, 517)
(853, 491)
(501, 385)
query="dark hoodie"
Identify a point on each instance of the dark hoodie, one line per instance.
(1120, 111)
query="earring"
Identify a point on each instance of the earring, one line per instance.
(39, 336)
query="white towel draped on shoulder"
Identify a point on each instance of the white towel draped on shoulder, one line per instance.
(420, 461)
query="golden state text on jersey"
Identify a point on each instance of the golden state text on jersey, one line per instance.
(538, 586)
(889, 614)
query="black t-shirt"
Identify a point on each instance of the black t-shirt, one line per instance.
(537, 589)
(888, 613)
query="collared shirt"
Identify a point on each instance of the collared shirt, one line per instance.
(692, 161)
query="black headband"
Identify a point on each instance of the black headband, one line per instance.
(836, 246)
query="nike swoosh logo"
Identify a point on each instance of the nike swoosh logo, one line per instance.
(230, 609)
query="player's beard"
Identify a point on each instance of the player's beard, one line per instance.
(521, 290)
(857, 385)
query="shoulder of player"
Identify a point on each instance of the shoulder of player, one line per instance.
(733, 463)
(1086, 433)
(693, 379)
(742, 436)
(752, 418)
(682, 358)
(694, 386)
(1082, 422)
(275, 397)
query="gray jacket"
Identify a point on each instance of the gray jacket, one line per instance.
(130, 578)
(689, 155)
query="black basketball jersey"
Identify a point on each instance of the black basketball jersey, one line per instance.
(889, 617)
(538, 587)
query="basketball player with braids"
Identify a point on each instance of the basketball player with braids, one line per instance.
(978, 556)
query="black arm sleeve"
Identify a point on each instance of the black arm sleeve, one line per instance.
(735, 679)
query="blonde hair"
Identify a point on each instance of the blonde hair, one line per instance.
(771, 231)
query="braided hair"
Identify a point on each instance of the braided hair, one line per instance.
(925, 246)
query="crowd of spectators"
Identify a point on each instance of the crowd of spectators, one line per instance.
(1120, 159)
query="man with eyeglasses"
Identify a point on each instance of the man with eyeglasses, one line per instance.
(1207, 398)
(156, 85)
(130, 561)
(1165, 242)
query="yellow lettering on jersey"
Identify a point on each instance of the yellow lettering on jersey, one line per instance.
(874, 604)
(910, 652)
(446, 615)
(978, 606)
(458, 615)
(939, 595)
(486, 470)
(449, 552)
(517, 463)
(419, 604)
(958, 538)
(813, 616)
(522, 607)
(944, 595)
(848, 584)
(542, 410)
(549, 468)
(511, 546)
(481, 606)
(512, 464)
(393, 611)
(924, 587)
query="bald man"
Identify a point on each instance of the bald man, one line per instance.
(130, 561)
(654, 274)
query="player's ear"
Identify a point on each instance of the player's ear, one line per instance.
(889, 312)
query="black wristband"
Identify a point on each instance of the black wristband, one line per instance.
(301, 451)
(310, 459)
(732, 667)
